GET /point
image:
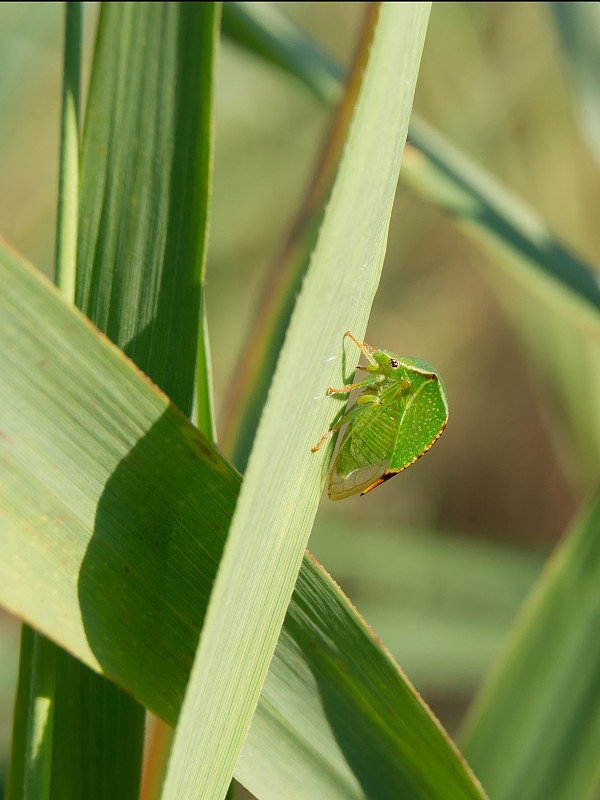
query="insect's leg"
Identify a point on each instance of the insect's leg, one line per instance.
(366, 348)
(368, 399)
(367, 382)
(354, 412)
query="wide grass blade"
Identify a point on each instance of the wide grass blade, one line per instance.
(146, 168)
(535, 730)
(111, 519)
(122, 515)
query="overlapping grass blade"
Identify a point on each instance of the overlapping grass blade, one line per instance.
(113, 521)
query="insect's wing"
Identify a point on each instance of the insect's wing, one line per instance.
(365, 452)
(340, 486)
(423, 422)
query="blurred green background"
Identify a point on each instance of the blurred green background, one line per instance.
(439, 559)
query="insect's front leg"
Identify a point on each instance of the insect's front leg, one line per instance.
(366, 348)
(370, 381)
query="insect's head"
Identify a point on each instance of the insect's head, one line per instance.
(386, 362)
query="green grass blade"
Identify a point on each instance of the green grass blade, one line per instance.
(68, 188)
(93, 505)
(488, 211)
(103, 736)
(535, 731)
(15, 785)
(263, 29)
(443, 603)
(122, 516)
(33, 725)
(283, 482)
(146, 167)
(578, 26)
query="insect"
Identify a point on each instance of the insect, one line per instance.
(401, 412)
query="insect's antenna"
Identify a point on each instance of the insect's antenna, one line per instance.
(366, 348)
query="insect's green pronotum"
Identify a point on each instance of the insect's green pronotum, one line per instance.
(401, 412)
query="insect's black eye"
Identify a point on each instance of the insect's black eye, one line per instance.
(393, 363)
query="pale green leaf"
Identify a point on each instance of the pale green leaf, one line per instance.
(114, 508)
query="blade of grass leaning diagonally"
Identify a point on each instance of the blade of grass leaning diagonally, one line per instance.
(59, 749)
(103, 509)
(534, 731)
(121, 517)
(273, 518)
(487, 210)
